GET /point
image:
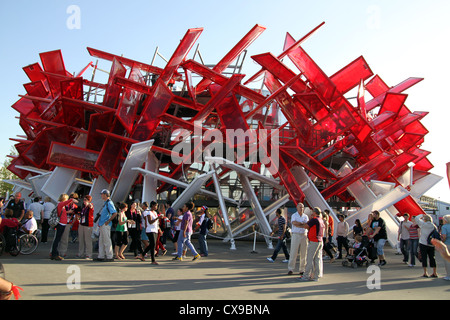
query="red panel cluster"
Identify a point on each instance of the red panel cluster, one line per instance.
(380, 136)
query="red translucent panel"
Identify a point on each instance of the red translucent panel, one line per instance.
(19, 161)
(423, 165)
(71, 157)
(221, 80)
(113, 91)
(99, 121)
(313, 104)
(24, 106)
(129, 102)
(410, 206)
(34, 72)
(383, 120)
(375, 102)
(295, 117)
(334, 148)
(233, 54)
(288, 180)
(38, 150)
(376, 86)
(53, 64)
(125, 61)
(330, 127)
(279, 71)
(304, 159)
(397, 125)
(37, 89)
(355, 175)
(393, 102)
(155, 106)
(180, 54)
(323, 86)
(218, 96)
(350, 76)
(108, 160)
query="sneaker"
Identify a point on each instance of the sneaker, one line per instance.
(290, 273)
(270, 259)
(304, 278)
(411, 265)
(285, 261)
(446, 278)
(177, 258)
(382, 263)
(197, 256)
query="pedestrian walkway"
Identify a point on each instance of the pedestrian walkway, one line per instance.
(224, 275)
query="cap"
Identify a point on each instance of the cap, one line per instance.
(204, 207)
(104, 191)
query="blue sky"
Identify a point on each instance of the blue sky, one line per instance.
(399, 39)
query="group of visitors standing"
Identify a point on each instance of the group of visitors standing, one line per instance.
(312, 234)
(147, 226)
(416, 234)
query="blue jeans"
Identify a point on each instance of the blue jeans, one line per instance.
(281, 244)
(404, 247)
(185, 242)
(203, 244)
(413, 246)
(380, 246)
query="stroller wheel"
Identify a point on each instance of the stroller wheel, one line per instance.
(354, 265)
(345, 263)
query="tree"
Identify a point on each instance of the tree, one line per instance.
(5, 174)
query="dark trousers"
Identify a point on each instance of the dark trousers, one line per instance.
(342, 241)
(45, 228)
(427, 251)
(135, 245)
(405, 248)
(281, 244)
(59, 232)
(152, 236)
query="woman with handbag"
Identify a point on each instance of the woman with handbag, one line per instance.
(61, 226)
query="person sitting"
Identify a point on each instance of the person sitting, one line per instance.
(29, 223)
(9, 220)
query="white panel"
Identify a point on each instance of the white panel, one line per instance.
(136, 157)
(381, 187)
(424, 184)
(37, 182)
(59, 182)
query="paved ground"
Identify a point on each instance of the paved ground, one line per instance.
(224, 275)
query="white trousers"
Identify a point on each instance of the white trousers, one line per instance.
(299, 245)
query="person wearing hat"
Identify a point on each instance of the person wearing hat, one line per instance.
(202, 224)
(107, 214)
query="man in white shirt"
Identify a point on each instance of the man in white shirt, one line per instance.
(299, 240)
(38, 210)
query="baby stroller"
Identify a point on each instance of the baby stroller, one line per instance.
(361, 255)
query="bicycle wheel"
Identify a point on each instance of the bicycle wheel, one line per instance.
(27, 243)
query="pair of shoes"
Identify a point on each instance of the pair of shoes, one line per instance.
(177, 258)
(197, 256)
(270, 259)
(57, 258)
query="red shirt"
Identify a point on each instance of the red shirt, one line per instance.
(9, 222)
(316, 228)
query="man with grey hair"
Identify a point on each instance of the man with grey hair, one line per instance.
(316, 229)
(299, 240)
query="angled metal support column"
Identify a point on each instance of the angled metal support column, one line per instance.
(223, 207)
(257, 209)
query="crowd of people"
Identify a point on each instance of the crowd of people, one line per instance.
(311, 237)
(145, 229)
(146, 226)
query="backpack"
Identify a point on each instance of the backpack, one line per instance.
(433, 235)
(54, 218)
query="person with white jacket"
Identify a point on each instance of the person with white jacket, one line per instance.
(426, 249)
